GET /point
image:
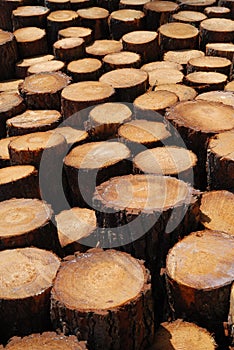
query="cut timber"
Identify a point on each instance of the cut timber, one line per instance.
(179, 335)
(158, 13)
(46, 340)
(29, 16)
(10, 85)
(184, 93)
(229, 4)
(81, 4)
(148, 67)
(169, 160)
(4, 152)
(217, 211)
(47, 66)
(31, 41)
(79, 96)
(142, 134)
(221, 49)
(8, 55)
(19, 181)
(210, 64)
(75, 228)
(182, 56)
(57, 5)
(195, 5)
(206, 81)
(43, 90)
(145, 43)
(229, 86)
(101, 48)
(28, 274)
(108, 5)
(76, 32)
(69, 49)
(93, 163)
(220, 161)
(22, 66)
(33, 121)
(208, 256)
(124, 59)
(105, 119)
(96, 19)
(28, 149)
(132, 4)
(177, 36)
(217, 12)
(6, 8)
(124, 21)
(189, 17)
(127, 82)
(165, 76)
(112, 303)
(226, 97)
(11, 104)
(196, 122)
(73, 136)
(216, 30)
(85, 69)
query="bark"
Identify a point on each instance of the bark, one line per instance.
(95, 18)
(158, 13)
(125, 21)
(69, 49)
(29, 16)
(85, 69)
(31, 41)
(77, 32)
(8, 55)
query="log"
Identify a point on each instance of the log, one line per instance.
(101, 48)
(77, 32)
(216, 211)
(31, 41)
(23, 65)
(226, 97)
(8, 55)
(216, 30)
(19, 181)
(73, 136)
(133, 4)
(58, 5)
(198, 5)
(220, 161)
(210, 64)
(206, 81)
(96, 19)
(124, 21)
(93, 163)
(221, 49)
(184, 93)
(6, 8)
(124, 59)
(69, 49)
(11, 104)
(182, 335)
(47, 66)
(208, 256)
(196, 122)
(85, 69)
(145, 43)
(127, 82)
(229, 86)
(83, 95)
(10, 85)
(43, 90)
(217, 12)
(148, 67)
(80, 4)
(33, 121)
(105, 316)
(29, 16)
(190, 17)
(161, 76)
(158, 13)
(4, 152)
(28, 274)
(105, 119)
(230, 322)
(48, 340)
(229, 4)
(182, 56)
(111, 6)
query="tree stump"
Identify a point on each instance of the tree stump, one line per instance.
(208, 256)
(47, 66)
(226, 97)
(4, 152)
(79, 96)
(69, 49)
(190, 17)
(209, 64)
(158, 13)
(8, 55)
(145, 43)
(77, 32)
(80, 4)
(206, 81)
(165, 76)
(217, 211)
(31, 41)
(28, 149)
(11, 104)
(221, 49)
(127, 82)
(96, 19)
(124, 21)
(177, 36)
(58, 5)
(10, 85)
(216, 30)
(6, 8)
(92, 163)
(101, 48)
(182, 56)
(148, 67)
(198, 5)
(73, 136)
(23, 65)
(217, 12)
(184, 93)
(48, 340)
(85, 69)
(43, 90)
(29, 16)
(25, 290)
(182, 335)
(124, 59)
(133, 4)
(105, 119)
(196, 122)
(33, 121)
(120, 304)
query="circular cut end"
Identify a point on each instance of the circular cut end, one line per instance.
(4, 152)
(165, 76)
(85, 65)
(182, 56)
(68, 43)
(5, 37)
(48, 66)
(75, 32)
(29, 34)
(155, 100)
(30, 11)
(218, 25)
(62, 16)
(203, 78)
(207, 255)
(26, 272)
(229, 86)
(148, 67)
(110, 113)
(178, 30)
(184, 93)
(45, 82)
(161, 6)
(34, 119)
(223, 145)
(27, 62)
(140, 37)
(72, 135)
(104, 47)
(127, 15)
(14, 173)
(10, 85)
(225, 97)
(225, 47)
(210, 62)
(124, 78)
(122, 58)
(93, 13)
(9, 100)
(189, 16)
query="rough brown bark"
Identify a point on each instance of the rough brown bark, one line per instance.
(58, 5)
(124, 59)
(23, 65)
(96, 19)
(210, 64)
(189, 17)
(109, 5)
(229, 4)
(158, 13)
(29, 16)
(69, 49)
(8, 55)
(76, 32)
(85, 69)
(221, 49)
(124, 21)
(6, 8)
(216, 30)
(101, 48)
(81, 4)
(31, 41)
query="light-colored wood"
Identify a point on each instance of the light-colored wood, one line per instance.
(148, 67)
(123, 59)
(189, 17)
(184, 93)
(124, 21)
(31, 41)
(101, 48)
(158, 13)
(8, 54)
(48, 66)
(76, 32)
(217, 12)
(4, 152)
(10, 85)
(22, 66)
(216, 30)
(206, 81)
(165, 76)
(132, 4)
(85, 69)
(73, 136)
(210, 64)
(221, 49)
(225, 97)
(96, 19)
(195, 5)
(29, 16)
(69, 49)
(182, 56)
(229, 86)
